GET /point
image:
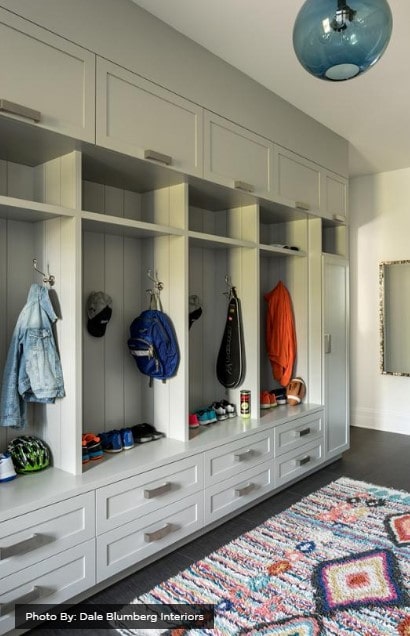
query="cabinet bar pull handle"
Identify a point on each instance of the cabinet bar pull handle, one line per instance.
(304, 431)
(303, 460)
(302, 205)
(242, 185)
(328, 342)
(31, 543)
(244, 490)
(156, 535)
(32, 595)
(18, 109)
(158, 156)
(240, 457)
(150, 493)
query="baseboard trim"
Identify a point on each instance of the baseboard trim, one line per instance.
(386, 421)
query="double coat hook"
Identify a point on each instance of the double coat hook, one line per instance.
(47, 278)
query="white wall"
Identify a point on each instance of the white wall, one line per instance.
(379, 231)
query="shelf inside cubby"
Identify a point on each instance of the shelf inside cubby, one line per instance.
(96, 222)
(274, 250)
(199, 239)
(30, 211)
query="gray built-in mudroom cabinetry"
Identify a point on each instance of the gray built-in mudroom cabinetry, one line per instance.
(114, 160)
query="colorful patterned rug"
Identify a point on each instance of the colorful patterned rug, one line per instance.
(337, 563)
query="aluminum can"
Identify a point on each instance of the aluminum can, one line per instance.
(245, 404)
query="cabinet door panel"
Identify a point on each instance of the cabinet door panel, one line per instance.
(236, 157)
(141, 119)
(297, 178)
(44, 73)
(334, 196)
(336, 343)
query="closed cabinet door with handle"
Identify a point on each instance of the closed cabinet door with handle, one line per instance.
(45, 80)
(297, 178)
(141, 119)
(236, 157)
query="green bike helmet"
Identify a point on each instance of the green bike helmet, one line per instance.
(29, 454)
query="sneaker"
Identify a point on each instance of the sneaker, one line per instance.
(220, 411)
(7, 472)
(127, 438)
(203, 418)
(193, 421)
(92, 449)
(211, 415)
(265, 400)
(229, 408)
(111, 442)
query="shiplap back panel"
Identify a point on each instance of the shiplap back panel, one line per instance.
(112, 384)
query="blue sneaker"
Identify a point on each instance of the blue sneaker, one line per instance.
(203, 418)
(111, 441)
(212, 415)
(127, 438)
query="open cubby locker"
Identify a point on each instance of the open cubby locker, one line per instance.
(126, 234)
(222, 243)
(334, 238)
(37, 221)
(291, 267)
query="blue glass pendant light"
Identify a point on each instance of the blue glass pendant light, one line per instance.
(334, 40)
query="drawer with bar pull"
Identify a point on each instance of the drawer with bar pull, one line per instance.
(133, 542)
(230, 459)
(30, 538)
(229, 495)
(50, 582)
(294, 464)
(134, 497)
(297, 432)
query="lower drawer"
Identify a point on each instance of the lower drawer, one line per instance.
(294, 464)
(122, 547)
(231, 494)
(45, 532)
(50, 582)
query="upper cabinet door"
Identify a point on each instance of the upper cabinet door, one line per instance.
(298, 179)
(138, 118)
(334, 196)
(236, 157)
(46, 80)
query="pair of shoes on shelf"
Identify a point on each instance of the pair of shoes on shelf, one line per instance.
(216, 412)
(7, 471)
(92, 447)
(117, 440)
(268, 400)
(224, 410)
(145, 433)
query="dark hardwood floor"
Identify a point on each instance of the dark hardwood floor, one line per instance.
(374, 456)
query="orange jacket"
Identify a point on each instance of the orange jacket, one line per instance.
(280, 333)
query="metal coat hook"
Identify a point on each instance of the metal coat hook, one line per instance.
(47, 278)
(231, 289)
(157, 283)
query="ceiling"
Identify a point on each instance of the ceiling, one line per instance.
(371, 111)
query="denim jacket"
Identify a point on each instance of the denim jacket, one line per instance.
(33, 369)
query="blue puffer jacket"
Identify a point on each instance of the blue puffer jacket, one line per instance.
(33, 369)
